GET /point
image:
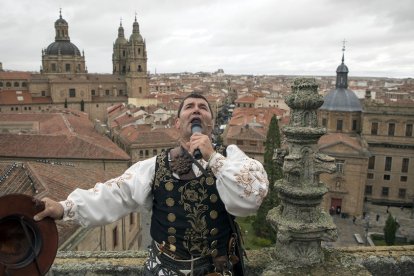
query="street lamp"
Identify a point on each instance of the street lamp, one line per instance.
(366, 229)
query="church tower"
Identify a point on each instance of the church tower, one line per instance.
(130, 60)
(119, 55)
(62, 56)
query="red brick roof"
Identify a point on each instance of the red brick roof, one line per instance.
(19, 97)
(14, 75)
(57, 135)
(55, 181)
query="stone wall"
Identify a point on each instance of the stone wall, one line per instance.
(352, 261)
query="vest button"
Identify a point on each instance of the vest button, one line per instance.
(171, 217)
(170, 202)
(213, 198)
(171, 230)
(213, 214)
(214, 244)
(171, 239)
(214, 253)
(169, 186)
(210, 181)
(214, 231)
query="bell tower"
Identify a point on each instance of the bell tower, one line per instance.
(136, 65)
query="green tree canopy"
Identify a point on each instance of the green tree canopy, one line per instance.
(390, 229)
(261, 227)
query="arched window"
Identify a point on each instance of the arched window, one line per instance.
(139, 68)
(24, 84)
(16, 84)
(8, 84)
(1, 84)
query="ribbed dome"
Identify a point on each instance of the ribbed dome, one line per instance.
(342, 68)
(341, 99)
(61, 21)
(65, 48)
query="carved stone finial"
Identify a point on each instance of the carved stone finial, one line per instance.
(301, 224)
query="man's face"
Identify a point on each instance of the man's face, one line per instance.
(194, 108)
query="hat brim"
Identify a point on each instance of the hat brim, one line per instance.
(32, 246)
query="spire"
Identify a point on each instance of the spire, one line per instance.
(121, 30)
(61, 28)
(342, 71)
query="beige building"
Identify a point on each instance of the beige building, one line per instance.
(341, 115)
(388, 130)
(65, 82)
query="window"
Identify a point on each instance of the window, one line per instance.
(140, 90)
(391, 129)
(131, 218)
(387, 177)
(141, 153)
(43, 93)
(139, 68)
(67, 67)
(409, 130)
(8, 84)
(340, 166)
(121, 92)
(97, 105)
(154, 152)
(401, 193)
(115, 237)
(53, 67)
(371, 163)
(374, 128)
(24, 84)
(72, 92)
(354, 124)
(107, 92)
(93, 92)
(388, 163)
(404, 166)
(339, 124)
(239, 142)
(370, 175)
(253, 143)
(1, 84)
(324, 122)
(16, 84)
(368, 190)
(146, 152)
(403, 178)
(385, 191)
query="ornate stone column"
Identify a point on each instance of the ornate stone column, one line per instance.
(300, 222)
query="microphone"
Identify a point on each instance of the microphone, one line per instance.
(196, 128)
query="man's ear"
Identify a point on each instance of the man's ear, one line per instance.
(177, 123)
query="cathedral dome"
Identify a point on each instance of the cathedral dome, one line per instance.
(341, 99)
(63, 48)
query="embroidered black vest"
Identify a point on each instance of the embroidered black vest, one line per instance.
(188, 214)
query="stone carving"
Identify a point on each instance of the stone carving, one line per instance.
(300, 222)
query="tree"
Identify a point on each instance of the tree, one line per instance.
(274, 172)
(390, 229)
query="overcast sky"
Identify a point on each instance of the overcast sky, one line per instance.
(272, 37)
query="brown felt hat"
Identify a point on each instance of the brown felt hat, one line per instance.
(27, 247)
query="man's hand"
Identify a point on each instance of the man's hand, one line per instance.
(201, 142)
(52, 209)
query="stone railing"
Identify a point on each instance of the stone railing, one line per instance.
(352, 261)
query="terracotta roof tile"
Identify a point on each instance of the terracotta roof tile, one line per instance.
(57, 135)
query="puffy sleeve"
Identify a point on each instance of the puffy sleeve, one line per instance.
(241, 181)
(113, 199)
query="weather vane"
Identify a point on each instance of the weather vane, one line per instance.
(343, 45)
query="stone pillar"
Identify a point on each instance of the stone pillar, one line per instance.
(300, 222)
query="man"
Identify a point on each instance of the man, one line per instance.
(190, 199)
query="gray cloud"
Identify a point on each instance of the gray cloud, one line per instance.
(240, 36)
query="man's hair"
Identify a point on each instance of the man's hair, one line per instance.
(196, 96)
